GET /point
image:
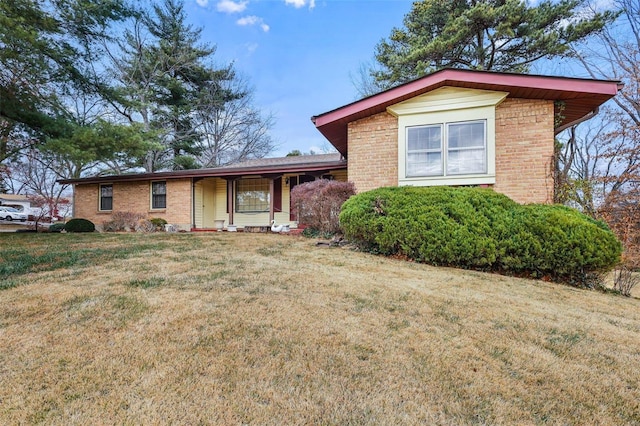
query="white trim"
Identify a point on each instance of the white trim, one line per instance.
(166, 189)
(100, 197)
(445, 106)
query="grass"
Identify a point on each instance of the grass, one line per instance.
(269, 329)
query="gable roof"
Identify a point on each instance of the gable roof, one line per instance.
(582, 97)
(257, 167)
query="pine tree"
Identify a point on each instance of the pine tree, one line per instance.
(169, 85)
(48, 49)
(497, 35)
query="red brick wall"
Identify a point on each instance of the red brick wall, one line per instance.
(373, 152)
(524, 150)
(135, 197)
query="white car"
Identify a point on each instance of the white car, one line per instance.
(9, 213)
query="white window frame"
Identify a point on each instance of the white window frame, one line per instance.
(426, 151)
(445, 106)
(445, 149)
(100, 197)
(449, 149)
(153, 194)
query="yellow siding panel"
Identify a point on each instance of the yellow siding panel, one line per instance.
(198, 190)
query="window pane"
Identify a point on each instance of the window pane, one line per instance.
(468, 161)
(106, 197)
(252, 195)
(106, 191)
(466, 135)
(424, 164)
(159, 188)
(421, 138)
(158, 195)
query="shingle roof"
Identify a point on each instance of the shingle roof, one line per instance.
(285, 161)
(257, 167)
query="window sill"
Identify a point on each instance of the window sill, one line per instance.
(448, 180)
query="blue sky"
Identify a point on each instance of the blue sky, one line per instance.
(299, 55)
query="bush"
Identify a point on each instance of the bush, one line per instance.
(317, 204)
(158, 222)
(122, 221)
(56, 227)
(79, 225)
(480, 229)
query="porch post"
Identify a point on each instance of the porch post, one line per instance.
(271, 199)
(230, 199)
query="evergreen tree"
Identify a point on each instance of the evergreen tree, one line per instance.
(497, 35)
(165, 81)
(48, 50)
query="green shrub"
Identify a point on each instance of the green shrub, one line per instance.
(57, 227)
(158, 222)
(480, 229)
(79, 225)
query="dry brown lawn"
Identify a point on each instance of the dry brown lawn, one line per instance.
(269, 330)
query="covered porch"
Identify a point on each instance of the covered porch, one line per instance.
(253, 194)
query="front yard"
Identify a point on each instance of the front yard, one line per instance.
(228, 328)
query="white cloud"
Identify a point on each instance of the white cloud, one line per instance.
(253, 20)
(202, 3)
(301, 3)
(247, 20)
(230, 6)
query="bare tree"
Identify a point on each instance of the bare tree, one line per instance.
(598, 165)
(235, 130)
(601, 158)
(200, 114)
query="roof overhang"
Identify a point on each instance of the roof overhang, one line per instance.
(581, 97)
(314, 167)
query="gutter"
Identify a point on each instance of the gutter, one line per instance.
(586, 117)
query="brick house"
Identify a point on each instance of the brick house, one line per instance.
(452, 127)
(461, 127)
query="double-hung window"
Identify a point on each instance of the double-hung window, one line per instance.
(447, 149)
(106, 197)
(159, 195)
(424, 151)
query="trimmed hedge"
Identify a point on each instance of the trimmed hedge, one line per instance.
(478, 228)
(79, 225)
(57, 227)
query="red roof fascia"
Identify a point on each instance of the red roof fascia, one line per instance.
(333, 124)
